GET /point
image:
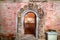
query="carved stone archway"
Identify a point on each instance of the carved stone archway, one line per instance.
(31, 7)
(23, 14)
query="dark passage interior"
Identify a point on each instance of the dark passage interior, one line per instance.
(30, 23)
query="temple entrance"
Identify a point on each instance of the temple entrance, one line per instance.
(30, 23)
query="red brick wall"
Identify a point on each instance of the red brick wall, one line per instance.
(10, 10)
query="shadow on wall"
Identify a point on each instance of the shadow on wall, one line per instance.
(7, 36)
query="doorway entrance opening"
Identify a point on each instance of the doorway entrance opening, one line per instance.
(30, 23)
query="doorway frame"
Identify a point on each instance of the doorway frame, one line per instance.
(22, 20)
(34, 17)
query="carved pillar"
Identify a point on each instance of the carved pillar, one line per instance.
(41, 22)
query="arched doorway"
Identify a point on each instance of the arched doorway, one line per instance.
(30, 23)
(33, 28)
(20, 28)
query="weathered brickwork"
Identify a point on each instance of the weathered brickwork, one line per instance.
(9, 11)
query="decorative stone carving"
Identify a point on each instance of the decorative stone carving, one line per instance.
(37, 0)
(41, 13)
(32, 6)
(21, 10)
(25, 7)
(35, 7)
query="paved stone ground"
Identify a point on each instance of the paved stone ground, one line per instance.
(41, 39)
(28, 37)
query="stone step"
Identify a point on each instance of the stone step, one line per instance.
(28, 37)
